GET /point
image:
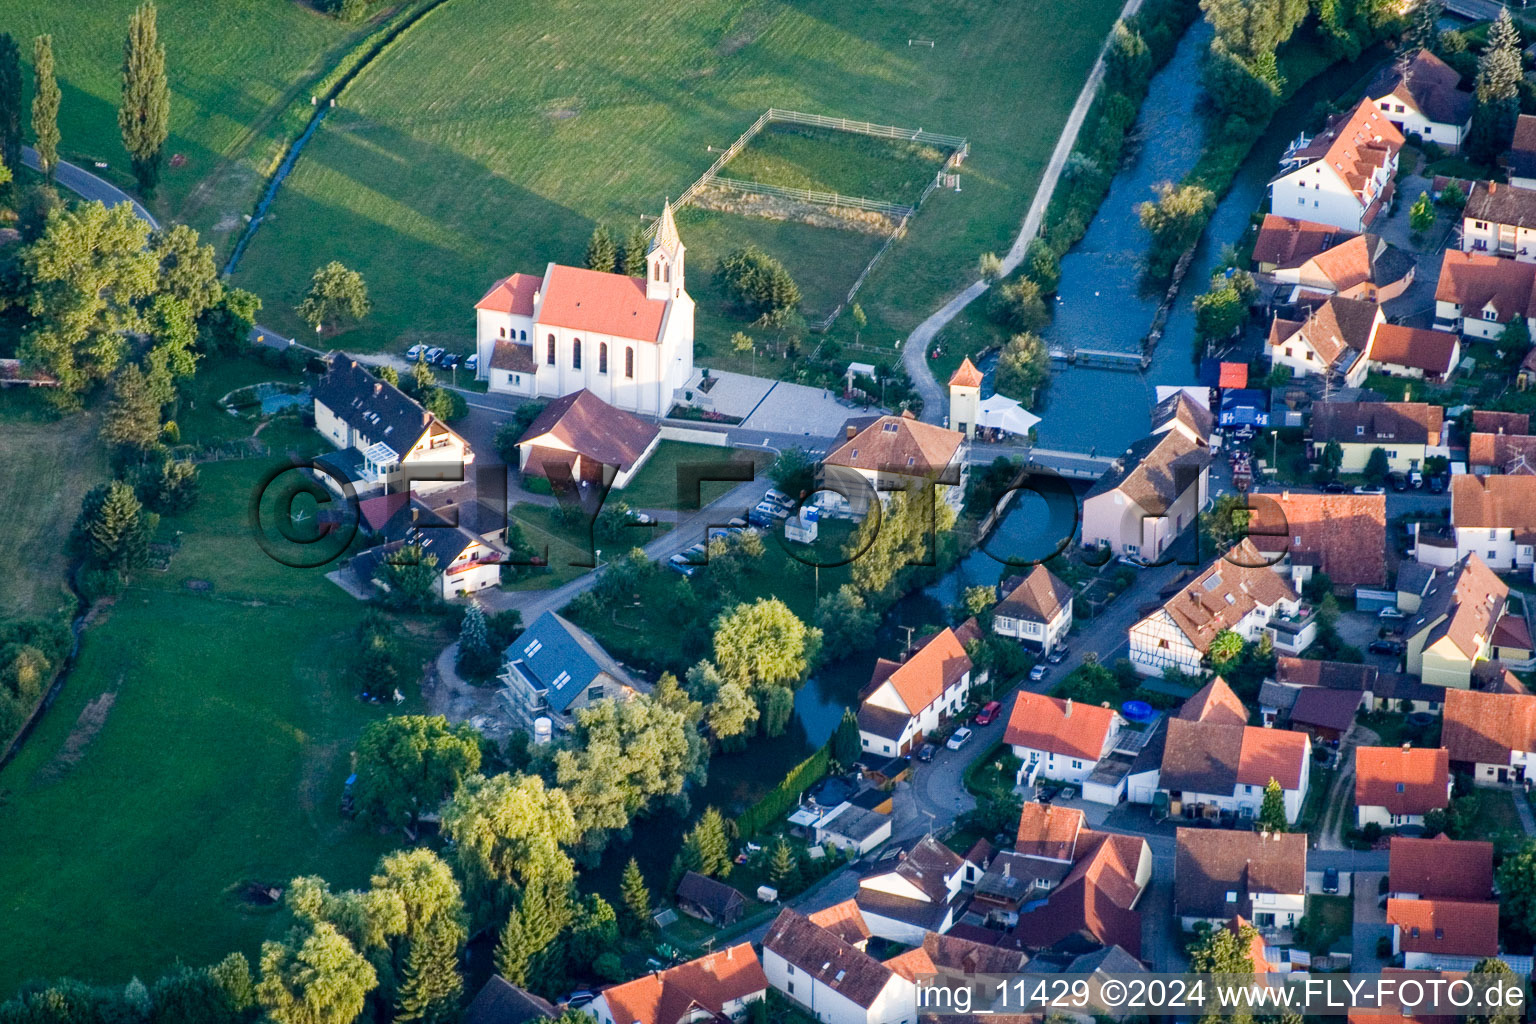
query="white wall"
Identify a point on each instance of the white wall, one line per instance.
(897, 1004)
(1315, 193)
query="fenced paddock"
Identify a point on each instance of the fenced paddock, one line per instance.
(953, 150)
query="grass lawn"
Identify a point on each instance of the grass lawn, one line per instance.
(1330, 920)
(200, 744)
(569, 550)
(1496, 819)
(200, 417)
(824, 160)
(491, 139)
(655, 486)
(233, 67)
(46, 466)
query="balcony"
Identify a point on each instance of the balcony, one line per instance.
(1292, 633)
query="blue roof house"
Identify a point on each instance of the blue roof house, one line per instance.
(556, 668)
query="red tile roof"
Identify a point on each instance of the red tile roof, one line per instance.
(612, 304)
(706, 984)
(1287, 242)
(898, 444)
(1277, 754)
(1058, 726)
(1493, 422)
(1502, 453)
(1495, 502)
(937, 664)
(1214, 702)
(1038, 597)
(1474, 280)
(966, 375)
(844, 920)
(1440, 868)
(1233, 375)
(1048, 831)
(1219, 598)
(1354, 147)
(1411, 781)
(1344, 535)
(1447, 927)
(1483, 728)
(1415, 348)
(593, 428)
(511, 295)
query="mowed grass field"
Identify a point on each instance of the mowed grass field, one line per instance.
(823, 160)
(491, 139)
(233, 67)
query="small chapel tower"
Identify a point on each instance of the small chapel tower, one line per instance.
(965, 398)
(664, 259)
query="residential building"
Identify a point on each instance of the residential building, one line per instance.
(1399, 351)
(717, 987)
(386, 439)
(905, 701)
(1036, 610)
(1522, 153)
(556, 668)
(1446, 935)
(1365, 267)
(1237, 592)
(1479, 294)
(883, 455)
(1491, 735)
(1323, 714)
(466, 561)
(1379, 689)
(1222, 873)
(1343, 176)
(501, 1002)
(1441, 868)
(845, 921)
(1285, 243)
(1493, 421)
(1187, 410)
(833, 980)
(1396, 786)
(920, 894)
(1342, 536)
(1153, 492)
(1464, 619)
(1510, 454)
(951, 962)
(1214, 763)
(1494, 517)
(627, 340)
(1500, 220)
(1407, 431)
(1334, 339)
(1413, 580)
(579, 437)
(709, 900)
(1061, 739)
(1424, 97)
(852, 829)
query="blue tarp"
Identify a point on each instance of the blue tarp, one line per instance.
(1244, 407)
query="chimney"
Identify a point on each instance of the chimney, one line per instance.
(1068, 712)
(1007, 869)
(1407, 747)
(851, 432)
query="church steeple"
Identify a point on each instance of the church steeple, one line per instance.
(664, 259)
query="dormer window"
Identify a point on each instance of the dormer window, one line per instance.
(1359, 431)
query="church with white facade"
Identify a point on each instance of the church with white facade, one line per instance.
(627, 340)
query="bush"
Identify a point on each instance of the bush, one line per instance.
(759, 283)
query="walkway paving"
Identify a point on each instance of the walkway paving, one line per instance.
(914, 353)
(1370, 922)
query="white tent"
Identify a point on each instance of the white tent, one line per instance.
(1006, 414)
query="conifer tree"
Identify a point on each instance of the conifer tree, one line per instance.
(602, 254)
(512, 952)
(707, 848)
(113, 528)
(45, 107)
(636, 897)
(432, 986)
(1497, 89)
(10, 101)
(783, 865)
(1272, 810)
(132, 417)
(145, 115)
(634, 252)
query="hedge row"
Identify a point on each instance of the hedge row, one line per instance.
(785, 795)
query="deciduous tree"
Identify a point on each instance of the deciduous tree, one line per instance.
(846, 621)
(131, 422)
(316, 977)
(145, 114)
(764, 644)
(1225, 648)
(410, 577)
(1023, 367)
(503, 828)
(188, 271)
(408, 765)
(336, 296)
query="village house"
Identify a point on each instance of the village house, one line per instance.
(1342, 536)
(1441, 868)
(466, 561)
(1153, 492)
(1334, 339)
(833, 980)
(1036, 610)
(1285, 243)
(1222, 873)
(920, 894)
(1376, 689)
(1365, 267)
(501, 1002)
(1424, 97)
(884, 455)
(1491, 735)
(953, 963)
(1522, 153)
(1215, 763)
(1091, 883)
(1342, 176)
(1479, 294)
(1443, 935)
(1510, 454)
(627, 340)
(905, 701)
(1415, 352)
(709, 900)
(385, 438)
(582, 438)
(555, 668)
(1408, 432)
(719, 986)
(1060, 739)
(1237, 592)
(1495, 518)
(1500, 220)
(1412, 583)
(1396, 786)
(1464, 619)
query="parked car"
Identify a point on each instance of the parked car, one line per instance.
(432, 355)
(926, 751)
(1058, 654)
(1397, 481)
(415, 352)
(1415, 479)
(988, 712)
(757, 517)
(449, 360)
(1362, 489)
(472, 364)
(581, 997)
(959, 738)
(1386, 647)
(1391, 613)
(778, 497)
(680, 565)
(1038, 673)
(1132, 561)
(1334, 487)
(1331, 881)
(768, 508)
(1435, 484)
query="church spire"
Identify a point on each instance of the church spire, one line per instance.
(666, 231)
(664, 259)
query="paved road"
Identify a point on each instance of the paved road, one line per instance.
(914, 353)
(88, 186)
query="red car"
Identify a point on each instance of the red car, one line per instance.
(988, 712)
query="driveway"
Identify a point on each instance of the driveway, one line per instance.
(1370, 922)
(1416, 306)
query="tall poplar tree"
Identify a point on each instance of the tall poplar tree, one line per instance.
(45, 106)
(145, 116)
(10, 101)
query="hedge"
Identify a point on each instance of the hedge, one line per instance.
(786, 794)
